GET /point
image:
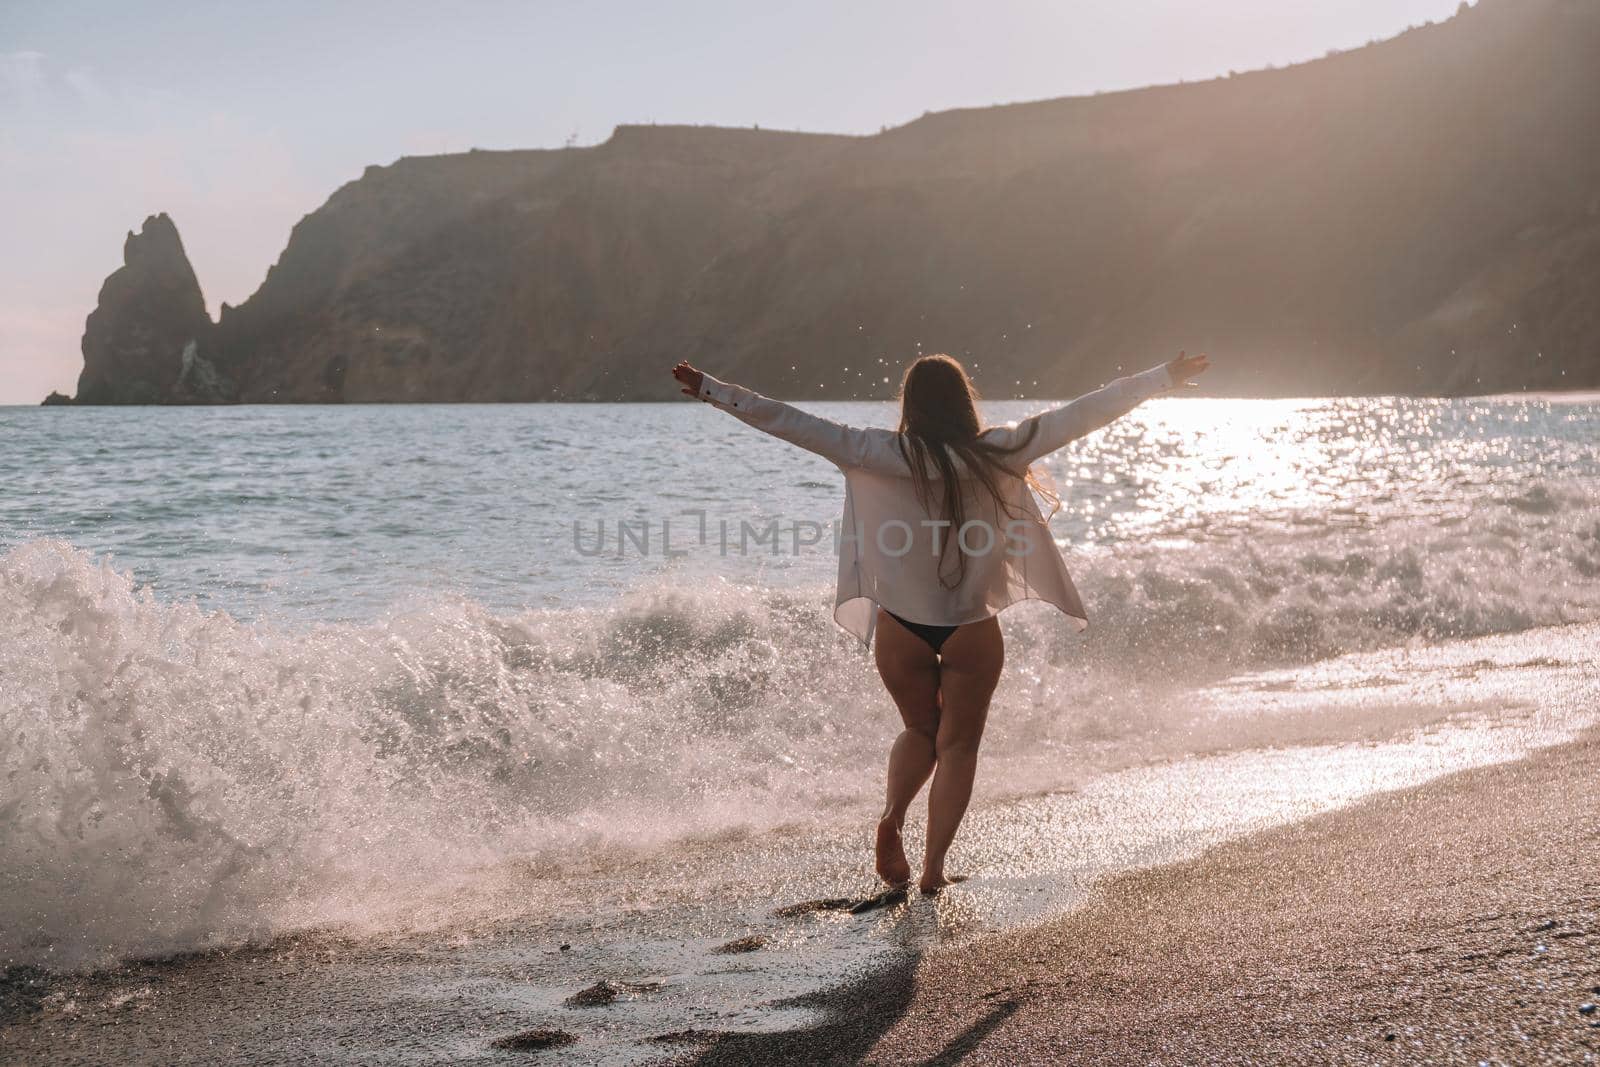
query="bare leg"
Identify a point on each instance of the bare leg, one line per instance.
(910, 671)
(968, 671)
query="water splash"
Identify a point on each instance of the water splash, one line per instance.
(175, 777)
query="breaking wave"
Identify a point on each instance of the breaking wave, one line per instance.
(176, 778)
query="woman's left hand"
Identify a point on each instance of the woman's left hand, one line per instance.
(689, 378)
(1186, 367)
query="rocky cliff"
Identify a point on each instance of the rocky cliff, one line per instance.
(141, 344)
(1421, 215)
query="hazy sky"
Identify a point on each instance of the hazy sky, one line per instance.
(239, 118)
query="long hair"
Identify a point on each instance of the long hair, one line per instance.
(939, 431)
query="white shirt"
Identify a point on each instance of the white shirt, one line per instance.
(889, 545)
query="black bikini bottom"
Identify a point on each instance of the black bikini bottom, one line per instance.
(935, 636)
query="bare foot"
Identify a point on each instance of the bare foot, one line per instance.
(893, 867)
(930, 884)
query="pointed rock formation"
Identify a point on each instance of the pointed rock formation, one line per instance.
(145, 341)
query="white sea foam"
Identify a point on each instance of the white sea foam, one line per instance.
(174, 777)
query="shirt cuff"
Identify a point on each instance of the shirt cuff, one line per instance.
(1155, 380)
(724, 395)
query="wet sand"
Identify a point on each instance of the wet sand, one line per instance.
(1273, 916)
(1455, 922)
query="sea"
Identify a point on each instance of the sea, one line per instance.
(434, 716)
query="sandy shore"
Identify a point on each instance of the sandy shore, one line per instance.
(1457, 922)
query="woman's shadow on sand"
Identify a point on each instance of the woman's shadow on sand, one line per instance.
(855, 1015)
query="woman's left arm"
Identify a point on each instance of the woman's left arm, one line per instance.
(1044, 433)
(845, 446)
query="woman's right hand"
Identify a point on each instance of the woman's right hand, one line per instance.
(689, 378)
(1187, 367)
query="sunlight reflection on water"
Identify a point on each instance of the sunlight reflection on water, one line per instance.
(319, 513)
(1175, 464)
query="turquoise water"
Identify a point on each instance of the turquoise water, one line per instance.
(264, 669)
(340, 513)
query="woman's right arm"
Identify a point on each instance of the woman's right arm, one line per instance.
(844, 446)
